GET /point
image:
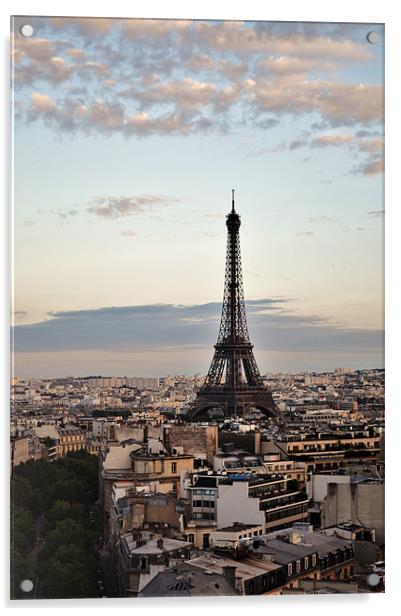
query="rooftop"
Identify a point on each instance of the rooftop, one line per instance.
(245, 569)
(152, 545)
(185, 580)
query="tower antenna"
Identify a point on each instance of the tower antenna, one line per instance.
(232, 202)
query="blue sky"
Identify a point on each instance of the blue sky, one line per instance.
(128, 137)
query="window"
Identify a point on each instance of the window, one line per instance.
(143, 561)
(313, 560)
(174, 467)
(298, 566)
(306, 562)
(289, 570)
(251, 587)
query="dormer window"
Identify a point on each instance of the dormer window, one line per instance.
(143, 562)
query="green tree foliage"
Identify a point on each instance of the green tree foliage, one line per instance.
(67, 580)
(59, 494)
(68, 532)
(18, 572)
(22, 529)
(62, 509)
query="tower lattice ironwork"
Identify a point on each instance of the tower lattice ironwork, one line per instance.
(233, 382)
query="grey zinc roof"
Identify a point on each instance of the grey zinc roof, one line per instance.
(311, 542)
(245, 569)
(185, 581)
(151, 547)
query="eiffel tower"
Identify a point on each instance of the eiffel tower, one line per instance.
(233, 383)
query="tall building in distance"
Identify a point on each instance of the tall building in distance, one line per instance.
(233, 383)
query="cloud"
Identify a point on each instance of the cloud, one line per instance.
(365, 143)
(247, 38)
(18, 314)
(128, 233)
(188, 94)
(273, 326)
(85, 26)
(300, 142)
(100, 117)
(282, 66)
(331, 140)
(305, 233)
(90, 69)
(177, 77)
(338, 103)
(172, 123)
(121, 207)
(322, 218)
(376, 213)
(71, 115)
(42, 103)
(369, 168)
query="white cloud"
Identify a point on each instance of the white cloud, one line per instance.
(121, 207)
(337, 103)
(151, 87)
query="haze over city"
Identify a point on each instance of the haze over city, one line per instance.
(129, 136)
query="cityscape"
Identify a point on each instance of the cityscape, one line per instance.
(197, 396)
(209, 485)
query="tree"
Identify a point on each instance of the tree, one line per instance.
(62, 509)
(22, 529)
(57, 495)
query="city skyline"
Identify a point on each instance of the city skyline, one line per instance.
(118, 259)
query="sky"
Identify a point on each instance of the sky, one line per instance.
(128, 138)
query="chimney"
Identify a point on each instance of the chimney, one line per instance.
(229, 574)
(160, 543)
(294, 538)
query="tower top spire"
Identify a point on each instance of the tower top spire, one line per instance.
(232, 202)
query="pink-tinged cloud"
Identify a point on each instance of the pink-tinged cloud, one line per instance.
(120, 207)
